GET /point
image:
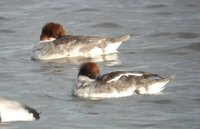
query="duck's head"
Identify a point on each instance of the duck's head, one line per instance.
(90, 70)
(51, 31)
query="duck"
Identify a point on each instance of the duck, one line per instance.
(11, 110)
(56, 43)
(91, 85)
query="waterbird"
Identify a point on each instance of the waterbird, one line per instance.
(90, 84)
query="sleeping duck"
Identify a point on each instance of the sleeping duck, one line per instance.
(90, 84)
(55, 43)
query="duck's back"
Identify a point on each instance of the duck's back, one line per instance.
(79, 39)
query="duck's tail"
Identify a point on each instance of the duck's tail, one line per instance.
(155, 86)
(35, 114)
(159, 85)
(168, 78)
(122, 38)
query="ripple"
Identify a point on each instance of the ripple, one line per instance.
(87, 10)
(165, 13)
(3, 19)
(197, 99)
(191, 5)
(184, 35)
(156, 6)
(162, 101)
(193, 46)
(107, 25)
(181, 49)
(144, 125)
(6, 31)
(93, 113)
(160, 34)
(187, 35)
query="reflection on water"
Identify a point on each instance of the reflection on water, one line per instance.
(78, 60)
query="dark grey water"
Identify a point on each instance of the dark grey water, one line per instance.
(165, 40)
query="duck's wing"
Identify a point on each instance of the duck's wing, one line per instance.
(94, 40)
(65, 40)
(118, 75)
(79, 40)
(152, 83)
(156, 77)
(117, 84)
(134, 75)
(99, 40)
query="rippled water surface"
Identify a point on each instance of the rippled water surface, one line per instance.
(165, 40)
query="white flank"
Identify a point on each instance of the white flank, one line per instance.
(95, 52)
(39, 56)
(14, 111)
(89, 93)
(46, 50)
(126, 74)
(142, 90)
(112, 47)
(114, 94)
(156, 87)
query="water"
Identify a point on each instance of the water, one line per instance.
(165, 40)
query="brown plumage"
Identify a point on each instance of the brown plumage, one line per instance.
(89, 69)
(52, 29)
